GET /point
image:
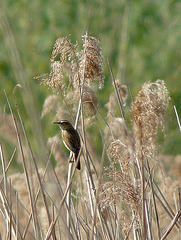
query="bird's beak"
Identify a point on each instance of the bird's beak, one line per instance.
(56, 122)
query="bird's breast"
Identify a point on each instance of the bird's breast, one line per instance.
(71, 140)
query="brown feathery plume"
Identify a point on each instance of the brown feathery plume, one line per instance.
(122, 154)
(64, 114)
(128, 190)
(66, 50)
(121, 187)
(68, 109)
(51, 104)
(84, 66)
(55, 78)
(90, 101)
(117, 130)
(128, 222)
(112, 105)
(119, 183)
(149, 109)
(119, 153)
(91, 62)
(7, 130)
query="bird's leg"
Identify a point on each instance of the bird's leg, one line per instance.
(71, 159)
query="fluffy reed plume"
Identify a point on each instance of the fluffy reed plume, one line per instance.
(121, 187)
(7, 130)
(65, 49)
(55, 145)
(149, 110)
(112, 105)
(65, 114)
(119, 184)
(91, 62)
(55, 79)
(83, 66)
(89, 100)
(118, 153)
(117, 130)
(51, 104)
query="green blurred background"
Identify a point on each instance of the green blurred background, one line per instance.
(141, 39)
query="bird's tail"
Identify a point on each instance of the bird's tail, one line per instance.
(78, 164)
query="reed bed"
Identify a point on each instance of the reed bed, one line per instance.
(124, 193)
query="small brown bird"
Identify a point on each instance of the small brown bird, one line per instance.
(70, 138)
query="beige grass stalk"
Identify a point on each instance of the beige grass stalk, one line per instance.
(37, 172)
(97, 209)
(8, 218)
(35, 200)
(120, 101)
(3, 168)
(162, 200)
(35, 221)
(149, 110)
(154, 202)
(143, 196)
(68, 210)
(53, 223)
(171, 225)
(70, 169)
(177, 116)
(148, 221)
(7, 205)
(89, 193)
(17, 217)
(10, 200)
(81, 89)
(11, 226)
(104, 226)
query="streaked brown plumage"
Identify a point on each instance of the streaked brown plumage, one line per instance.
(70, 138)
